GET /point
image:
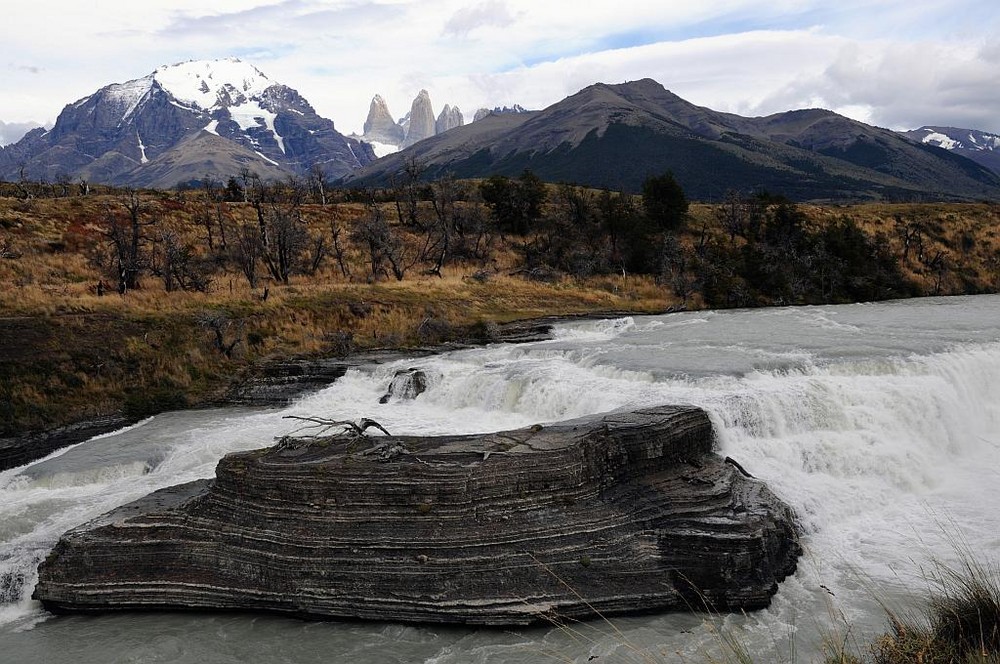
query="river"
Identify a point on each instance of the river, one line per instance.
(878, 423)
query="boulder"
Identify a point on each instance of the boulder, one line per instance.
(621, 513)
(406, 384)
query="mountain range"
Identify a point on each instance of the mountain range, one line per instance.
(184, 122)
(617, 135)
(979, 146)
(386, 135)
(187, 121)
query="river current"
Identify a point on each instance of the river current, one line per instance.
(878, 423)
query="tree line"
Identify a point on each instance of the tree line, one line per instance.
(760, 248)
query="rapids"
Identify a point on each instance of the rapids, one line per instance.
(878, 423)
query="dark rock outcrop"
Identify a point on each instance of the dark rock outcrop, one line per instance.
(615, 514)
(406, 384)
(19, 450)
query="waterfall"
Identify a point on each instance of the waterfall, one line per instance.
(879, 424)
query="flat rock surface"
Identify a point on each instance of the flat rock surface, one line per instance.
(620, 513)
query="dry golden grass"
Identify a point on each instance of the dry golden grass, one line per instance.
(68, 353)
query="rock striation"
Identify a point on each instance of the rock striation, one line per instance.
(619, 513)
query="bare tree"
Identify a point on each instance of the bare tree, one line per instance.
(317, 183)
(372, 234)
(338, 249)
(126, 235)
(227, 333)
(406, 192)
(245, 252)
(438, 246)
(283, 236)
(177, 264)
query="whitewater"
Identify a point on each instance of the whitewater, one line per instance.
(878, 423)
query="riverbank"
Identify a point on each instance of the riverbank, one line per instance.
(119, 360)
(73, 354)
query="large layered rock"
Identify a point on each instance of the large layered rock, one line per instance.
(614, 514)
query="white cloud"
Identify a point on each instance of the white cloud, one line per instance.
(893, 62)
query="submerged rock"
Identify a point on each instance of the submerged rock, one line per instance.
(615, 514)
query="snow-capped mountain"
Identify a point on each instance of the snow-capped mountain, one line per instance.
(979, 146)
(183, 122)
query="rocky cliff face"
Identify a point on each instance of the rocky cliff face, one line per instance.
(388, 136)
(498, 110)
(379, 126)
(614, 514)
(449, 118)
(421, 124)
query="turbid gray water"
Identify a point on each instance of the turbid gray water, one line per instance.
(878, 423)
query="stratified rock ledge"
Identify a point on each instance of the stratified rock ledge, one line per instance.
(614, 514)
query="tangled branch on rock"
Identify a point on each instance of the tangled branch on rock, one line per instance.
(348, 428)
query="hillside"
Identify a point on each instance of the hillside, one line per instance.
(207, 300)
(615, 136)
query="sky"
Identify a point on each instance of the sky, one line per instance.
(893, 63)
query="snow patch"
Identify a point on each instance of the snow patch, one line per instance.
(252, 114)
(268, 159)
(142, 149)
(212, 127)
(210, 84)
(941, 140)
(383, 149)
(127, 96)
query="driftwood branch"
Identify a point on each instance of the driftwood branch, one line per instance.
(347, 427)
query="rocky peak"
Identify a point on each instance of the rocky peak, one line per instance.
(449, 118)
(379, 126)
(143, 131)
(498, 110)
(212, 84)
(422, 124)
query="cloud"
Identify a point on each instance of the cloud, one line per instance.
(493, 13)
(906, 85)
(891, 61)
(14, 131)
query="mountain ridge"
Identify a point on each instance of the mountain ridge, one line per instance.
(982, 147)
(113, 134)
(616, 135)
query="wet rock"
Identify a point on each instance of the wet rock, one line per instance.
(19, 450)
(616, 514)
(406, 384)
